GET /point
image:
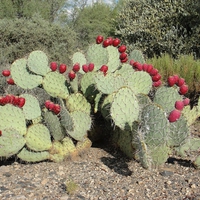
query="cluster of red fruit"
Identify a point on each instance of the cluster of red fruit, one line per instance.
(180, 82)
(6, 73)
(12, 99)
(55, 108)
(153, 72)
(114, 42)
(62, 67)
(176, 113)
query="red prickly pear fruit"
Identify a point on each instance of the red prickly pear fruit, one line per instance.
(85, 68)
(99, 39)
(122, 48)
(76, 67)
(6, 73)
(0, 133)
(11, 98)
(171, 81)
(104, 68)
(138, 66)
(149, 68)
(15, 100)
(174, 115)
(124, 60)
(186, 101)
(10, 81)
(2, 102)
(144, 67)
(6, 99)
(46, 104)
(110, 40)
(72, 75)
(56, 109)
(106, 43)
(180, 82)
(21, 102)
(123, 56)
(183, 89)
(157, 83)
(153, 72)
(62, 68)
(51, 106)
(53, 66)
(179, 105)
(176, 77)
(131, 62)
(156, 77)
(116, 42)
(91, 67)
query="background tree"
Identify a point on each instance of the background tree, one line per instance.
(48, 9)
(159, 26)
(93, 20)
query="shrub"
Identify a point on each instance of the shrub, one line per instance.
(19, 37)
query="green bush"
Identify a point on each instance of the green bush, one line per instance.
(21, 36)
(163, 26)
(185, 66)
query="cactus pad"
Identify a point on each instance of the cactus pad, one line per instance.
(154, 125)
(31, 108)
(22, 77)
(77, 102)
(82, 123)
(55, 85)
(78, 57)
(109, 83)
(137, 55)
(11, 142)
(166, 98)
(38, 138)
(54, 126)
(98, 55)
(12, 117)
(113, 58)
(38, 63)
(125, 108)
(29, 156)
(139, 82)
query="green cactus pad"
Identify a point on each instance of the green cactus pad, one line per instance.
(74, 85)
(82, 123)
(11, 141)
(87, 84)
(98, 55)
(31, 108)
(83, 145)
(113, 58)
(125, 69)
(77, 102)
(125, 108)
(178, 132)
(166, 98)
(53, 124)
(105, 106)
(62, 150)
(109, 83)
(197, 162)
(191, 114)
(12, 117)
(124, 142)
(55, 85)
(29, 156)
(38, 138)
(192, 144)
(38, 63)
(137, 55)
(139, 82)
(22, 77)
(153, 125)
(79, 57)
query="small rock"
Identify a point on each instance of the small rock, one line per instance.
(166, 173)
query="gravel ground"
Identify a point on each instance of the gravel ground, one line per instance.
(101, 173)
